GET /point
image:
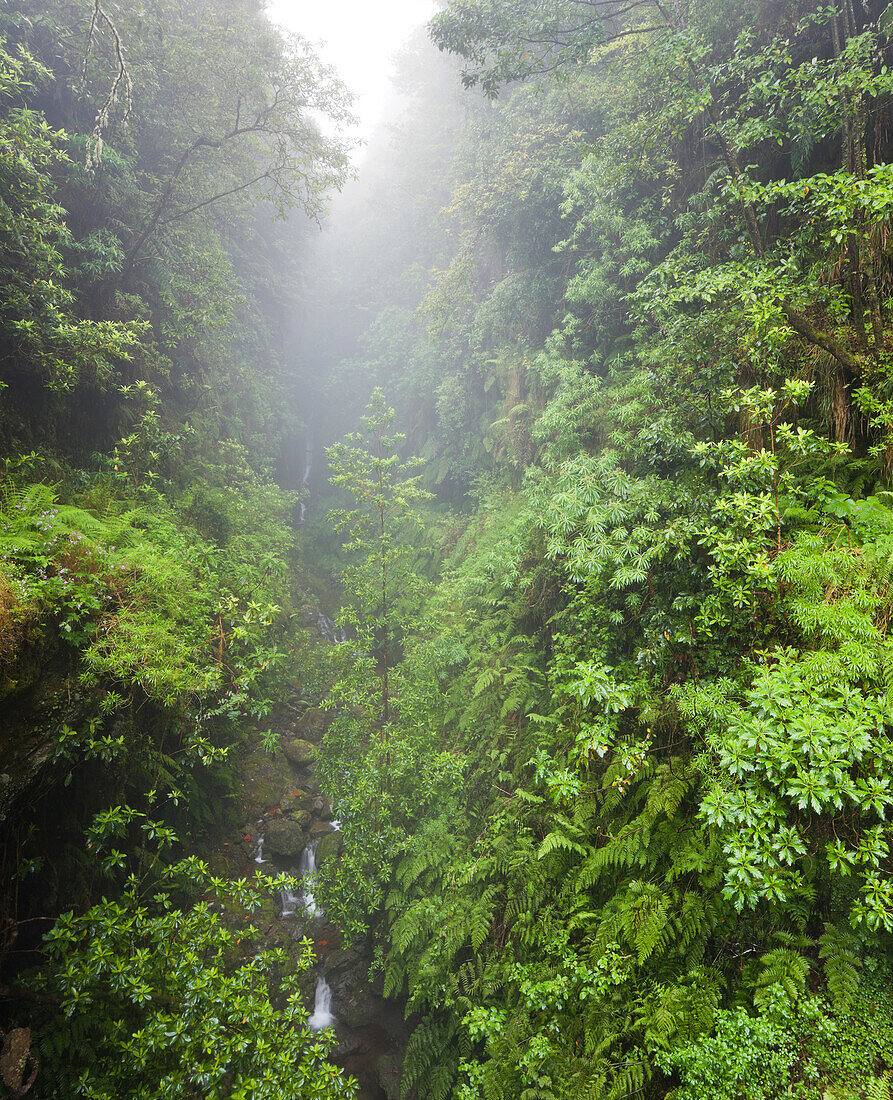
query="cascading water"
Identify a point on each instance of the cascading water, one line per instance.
(308, 460)
(306, 471)
(322, 1007)
(289, 901)
(336, 635)
(259, 855)
(307, 871)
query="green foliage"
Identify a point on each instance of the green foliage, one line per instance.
(40, 325)
(163, 1001)
(383, 589)
(147, 601)
(657, 649)
(616, 785)
(803, 1050)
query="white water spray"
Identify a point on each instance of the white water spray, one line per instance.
(306, 470)
(322, 1007)
(332, 633)
(289, 901)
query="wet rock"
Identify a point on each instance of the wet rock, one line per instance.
(356, 1012)
(313, 725)
(298, 800)
(320, 829)
(266, 777)
(348, 1044)
(330, 847)
(388, 1066)
(284, 836)
(18, 1066)
(346, 961)
(322, 809)
(299, 752)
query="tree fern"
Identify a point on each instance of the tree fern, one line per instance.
(432, 1058)
(645, 920)
(558, 840)
(629, 1079)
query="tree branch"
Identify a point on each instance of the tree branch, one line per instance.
(122, 77)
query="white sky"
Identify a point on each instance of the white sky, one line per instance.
(358, 37)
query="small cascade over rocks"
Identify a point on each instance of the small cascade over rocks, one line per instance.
(292, 828)
(289, 902)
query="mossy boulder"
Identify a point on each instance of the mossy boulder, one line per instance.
(346, 963)
(300, 752)
(312, 725)
(297, 800)
(330, 847)
(389, 1067)
(284, 836)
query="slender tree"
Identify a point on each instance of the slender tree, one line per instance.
(379, 581)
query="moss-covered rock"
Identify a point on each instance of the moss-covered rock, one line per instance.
(299, 752)
(312, 725)
(284, 836)
(389, 1067)
(266, 777)
(297, 800)
(330, 847)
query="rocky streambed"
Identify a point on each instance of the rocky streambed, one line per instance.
(287, 825)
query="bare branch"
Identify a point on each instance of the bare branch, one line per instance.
(121, 80)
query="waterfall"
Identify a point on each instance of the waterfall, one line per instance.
(322, 1007)
(337, 635)
(307, 871)
(259, 856)
(306, 471)
(308, 460)
(289, 902)
(326, 626)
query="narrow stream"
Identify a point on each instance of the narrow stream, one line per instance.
(371, 1033)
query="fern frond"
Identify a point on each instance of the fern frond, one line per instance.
(837, 950)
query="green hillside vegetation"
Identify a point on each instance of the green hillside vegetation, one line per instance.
(611, 720)
(159, 172)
